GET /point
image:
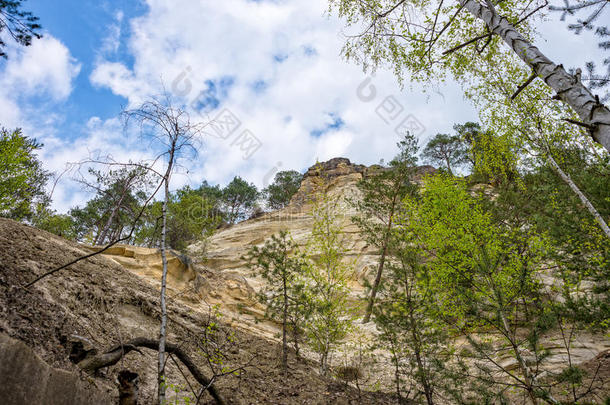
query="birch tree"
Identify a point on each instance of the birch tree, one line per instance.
(331, 315)
(429, 39)
(170, 131)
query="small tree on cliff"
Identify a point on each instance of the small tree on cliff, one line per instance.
(285, 185)
(445, 150)
(280, 263)
(382, 193)
(331, 317)
(239, 197)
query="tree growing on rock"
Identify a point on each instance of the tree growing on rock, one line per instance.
(119, 195)
(285, 185)
(239, 197)
(281, 264)
(382, 191)
(443, 149)
(331, 314)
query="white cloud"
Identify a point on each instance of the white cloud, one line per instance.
(287, 78)
(110, 44)
(293, 51)
(44, 68)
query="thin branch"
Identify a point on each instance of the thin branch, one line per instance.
(524, 85)
(475, 39)
(112, 356)
(108, 246)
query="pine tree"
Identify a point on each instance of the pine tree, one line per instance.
(382, 190)
(281, 264)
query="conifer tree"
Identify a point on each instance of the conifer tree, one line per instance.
(382, 190)
(281, 264)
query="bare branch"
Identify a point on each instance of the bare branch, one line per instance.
(113, 355)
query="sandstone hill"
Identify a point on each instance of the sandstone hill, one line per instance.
(113, 298)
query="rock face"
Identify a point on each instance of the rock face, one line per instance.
(27, 379)
(97, 303)
(232, 285)
(115, 296)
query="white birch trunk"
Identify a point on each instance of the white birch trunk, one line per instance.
(568, 88)
(162, 332)
(568, 180)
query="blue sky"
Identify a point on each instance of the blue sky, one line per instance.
(273, 66)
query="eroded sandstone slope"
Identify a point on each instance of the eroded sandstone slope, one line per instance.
(103, 303)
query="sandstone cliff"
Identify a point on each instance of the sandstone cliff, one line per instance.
(114, 297)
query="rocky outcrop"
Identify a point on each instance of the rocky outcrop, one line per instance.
(27, 379)
(147, 263)
(234, 285)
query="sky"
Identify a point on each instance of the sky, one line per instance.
(266, 76)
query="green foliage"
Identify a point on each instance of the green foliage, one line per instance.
(239, 198)
(22, 178)
(579, 248)
(21, 25)
(382, 190)
(285, 185)
(412, 37)
(448, 150)
(109, 215)
(471, 253)
(331, 314)
(281, 264)
(60, 224)
(191, 215)
(406, 318)
(484, 277)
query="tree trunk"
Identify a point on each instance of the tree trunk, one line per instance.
(569, 89)
(324, 363)
(417, 346)
(369, 307)
(568, 180)
(163, 332)
(530, 379)
(375, 287)
(100, 238)
(284, 325)
(448, 165)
